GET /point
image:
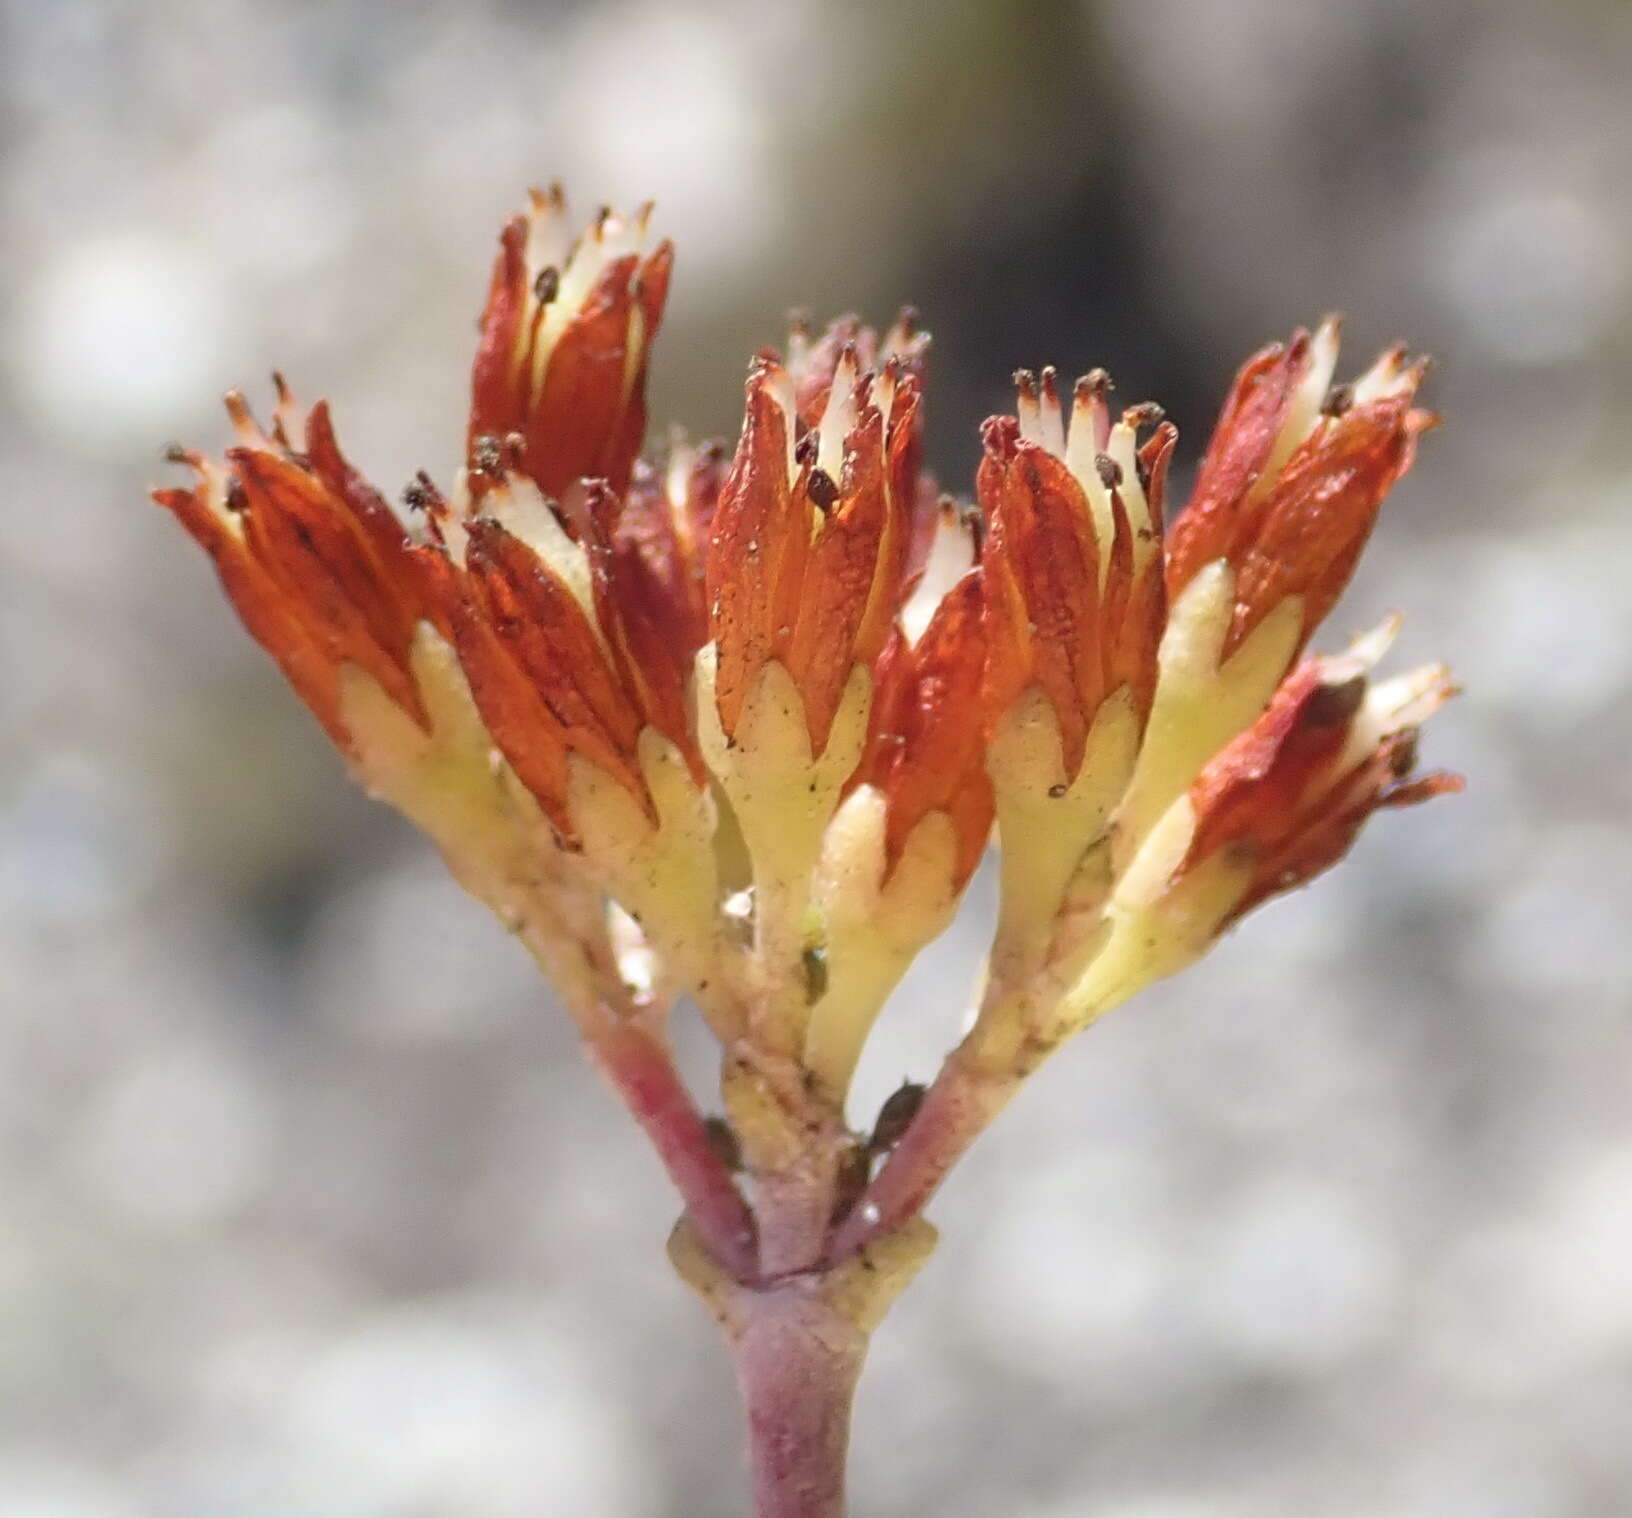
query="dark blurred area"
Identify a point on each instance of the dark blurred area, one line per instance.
(309, 1207)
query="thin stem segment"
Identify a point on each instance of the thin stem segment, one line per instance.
(957, 1108)
(641, 1070)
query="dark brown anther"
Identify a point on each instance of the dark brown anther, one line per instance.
(804, 451)
(855, 1170)
(1094, 382)
(175, 453)
(415, 497)
(236, 500)
(814, 963)
(547, 285)
(822, 490)
(1338, 400)
(722, 1139)
(1109, 471)
(974, 520)
(896, 1115)
(486, 453)
(1025, 382)
(1147, 414)
(1332, 705)
(1404, 757)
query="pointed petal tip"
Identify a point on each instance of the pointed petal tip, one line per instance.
(1369, 647)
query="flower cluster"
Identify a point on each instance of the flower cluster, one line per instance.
(739, 725)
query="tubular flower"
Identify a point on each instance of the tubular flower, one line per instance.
(1293, 479)
(738, 723)
(1073, 555)
(1074, 610)
(1276, 807)
(904, 843)
(924, 751)
(1283, 504)
(560, 661)
(313, 559)
(360, 620)
(575, 672)
(812, 530)
(564, 343)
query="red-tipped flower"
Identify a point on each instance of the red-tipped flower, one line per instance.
(565, 338)
(925, 750)
(316, 563)
(1294, 476)
(1288, 798)
(567, 649)
(1075, 599)
(808, 555)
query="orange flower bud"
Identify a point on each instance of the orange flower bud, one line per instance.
(317, 565)
(812, 363)
(809, 546)
(661, 540)
(565, 644)
(564, 344)
(1294, 475)
(925, 750)
(1074, 599)
(1289, 796)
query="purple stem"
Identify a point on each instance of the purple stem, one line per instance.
(957, 1107)
(797, 1366)
(642, 1071)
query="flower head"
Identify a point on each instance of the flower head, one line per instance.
(740, 722)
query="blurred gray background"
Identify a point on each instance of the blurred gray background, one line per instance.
(309, 1207)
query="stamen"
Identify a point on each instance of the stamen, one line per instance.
(487, 453)
(1338, 400)
(1026, 406)
(1331, 705)
(823, 492)
(1052, 427)
(1090, 420)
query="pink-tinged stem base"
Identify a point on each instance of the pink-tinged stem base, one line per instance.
(640, 1068)
(797, 1363)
